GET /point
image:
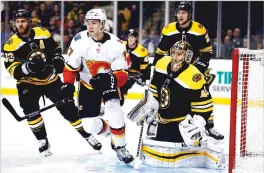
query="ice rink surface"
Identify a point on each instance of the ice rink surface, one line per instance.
(70, 152)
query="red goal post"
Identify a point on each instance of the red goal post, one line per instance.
(247, 111)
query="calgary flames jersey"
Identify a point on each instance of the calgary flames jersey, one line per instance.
(137, 58)
(90, 57)
(180, 93)
(18, 50)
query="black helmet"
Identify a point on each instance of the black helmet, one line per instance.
(21, 13)
(132, 32)
(184, 5)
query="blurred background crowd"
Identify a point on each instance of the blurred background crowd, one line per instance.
(230, 24)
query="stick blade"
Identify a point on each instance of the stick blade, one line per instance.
(10, 108)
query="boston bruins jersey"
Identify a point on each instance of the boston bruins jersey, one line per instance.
(180, 93)
(137, 58)
(18, 50)
(196, 35)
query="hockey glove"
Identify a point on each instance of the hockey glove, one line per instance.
(67, 90)
(103, 82)
(58, 62)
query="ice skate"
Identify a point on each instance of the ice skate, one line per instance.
(44, 147)
(94, 142)
(123, 154)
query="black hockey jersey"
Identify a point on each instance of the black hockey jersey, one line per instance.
(196, 35)
(180, 93)
(18, 50)
(137, 58)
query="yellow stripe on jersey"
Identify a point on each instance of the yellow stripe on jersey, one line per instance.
(201, 103)
(207, 49)
(41, 33)
(35, 121)
(203, 110)
(143, 66)
(195, 82)
(40, 82)
(12, 67)
(13, 43)
(155, 95)
(161, 52)
(170, 29)
(166, 121)
(152, 86)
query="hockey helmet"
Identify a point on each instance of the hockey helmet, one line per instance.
(183, 47)
(21, 13)
(98, 14)
(184, 5)
(132, 32)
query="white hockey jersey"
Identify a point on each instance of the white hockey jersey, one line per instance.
(89, 57)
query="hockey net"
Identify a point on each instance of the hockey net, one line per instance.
(247, 112)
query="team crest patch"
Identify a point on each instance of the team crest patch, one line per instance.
(197, 77)
(10, 41)
(142, 49)
(200, 26)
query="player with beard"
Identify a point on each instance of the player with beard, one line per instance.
(34, 59)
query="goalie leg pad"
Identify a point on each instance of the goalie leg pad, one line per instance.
(177, 155)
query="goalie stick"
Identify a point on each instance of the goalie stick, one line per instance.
(11, 109)
(139, 159)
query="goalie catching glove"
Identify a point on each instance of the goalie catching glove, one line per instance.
(146, 110)
(193, 130)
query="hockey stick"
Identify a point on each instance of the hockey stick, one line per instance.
(11, 109)
(139, 159)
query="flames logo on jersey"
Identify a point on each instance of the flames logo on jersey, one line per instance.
(165, 98)
(95, 66)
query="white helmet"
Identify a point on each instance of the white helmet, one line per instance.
(97, 14)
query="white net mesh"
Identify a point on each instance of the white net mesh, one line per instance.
(249, 148)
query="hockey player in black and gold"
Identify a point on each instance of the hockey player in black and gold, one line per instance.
(192, 32)
(137, 59)
(178, 99)
(180, 89)
(34, 59)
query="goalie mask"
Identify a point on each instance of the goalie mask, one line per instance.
(181, 51)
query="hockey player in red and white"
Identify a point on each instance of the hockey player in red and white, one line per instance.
(180, 103)
(99, 58)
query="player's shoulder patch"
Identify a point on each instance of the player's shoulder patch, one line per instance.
(41, 33)
(77, 37)
(162, 64)
(170, 29)
(140, 51)
(12, 43)
(197, 77)
(197, 28)
(192, 78)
